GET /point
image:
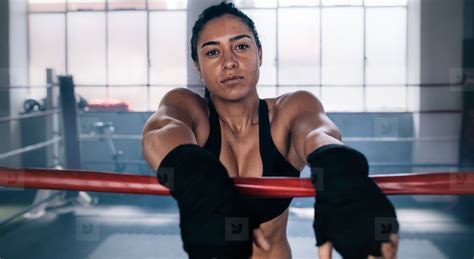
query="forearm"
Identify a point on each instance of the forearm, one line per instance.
(348, 203)
(159, 142)
(206, 198)
(319, 138)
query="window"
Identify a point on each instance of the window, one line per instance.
(265, 20)
(342, 61)
(86, 47)
(352, 54)
(47, 33)
(133, 50)
(127, 48)
(168, 48)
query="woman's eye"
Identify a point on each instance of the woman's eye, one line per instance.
(211, 53)
(242, 46)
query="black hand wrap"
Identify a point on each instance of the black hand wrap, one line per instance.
(213, 221)
(350, 210)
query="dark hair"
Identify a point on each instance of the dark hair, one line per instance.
(217, 11)
(207, 94)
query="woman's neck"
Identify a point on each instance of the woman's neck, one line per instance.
(238, 116)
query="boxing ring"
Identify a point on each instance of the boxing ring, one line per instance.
(269, 187)
(95, 228)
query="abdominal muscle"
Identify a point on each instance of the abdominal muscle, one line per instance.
(275, 233)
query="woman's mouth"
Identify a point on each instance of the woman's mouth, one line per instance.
(231, 80)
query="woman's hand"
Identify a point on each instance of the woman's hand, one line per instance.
(350, 210)
(389, 249)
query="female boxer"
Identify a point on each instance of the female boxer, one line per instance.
(195, 144)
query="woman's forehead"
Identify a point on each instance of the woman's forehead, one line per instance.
(223, 28)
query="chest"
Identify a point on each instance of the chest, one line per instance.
(241, 154)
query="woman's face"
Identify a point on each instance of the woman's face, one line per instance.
(229, 60)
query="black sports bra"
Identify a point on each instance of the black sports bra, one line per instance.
(274, 164)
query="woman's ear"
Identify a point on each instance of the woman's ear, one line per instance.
(260, 54)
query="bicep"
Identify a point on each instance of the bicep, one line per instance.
(311, 127)
(173, 106)
(169, 127)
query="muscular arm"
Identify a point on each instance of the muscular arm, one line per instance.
(170, 126)
(310, 127)
(180, 118)
(347, 171)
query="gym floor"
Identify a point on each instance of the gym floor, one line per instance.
(137, 226)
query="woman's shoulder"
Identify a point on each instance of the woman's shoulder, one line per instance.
(186, 100)
(185, 97)
(292, 102)
(181, 92)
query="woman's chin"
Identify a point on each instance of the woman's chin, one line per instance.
(235, 95)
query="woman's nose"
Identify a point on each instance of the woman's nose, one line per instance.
(230, 62)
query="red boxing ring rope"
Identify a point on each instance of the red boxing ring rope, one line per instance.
(442, 183)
